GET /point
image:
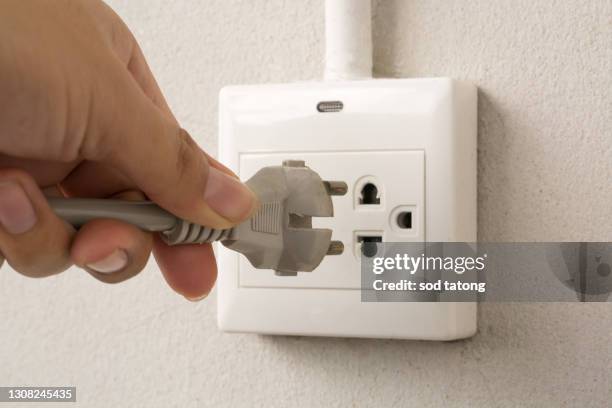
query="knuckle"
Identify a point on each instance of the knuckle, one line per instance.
(37, 253)
(38, 265)
(188, 158)
(122, 40)
(192, 170)
(18, 175)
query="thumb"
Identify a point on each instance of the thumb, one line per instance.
(166, 163)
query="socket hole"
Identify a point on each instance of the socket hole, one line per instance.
(330, 106)
(369, 195)
(404, 220)
(368, 244)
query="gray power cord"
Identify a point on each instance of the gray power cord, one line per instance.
(279, 236)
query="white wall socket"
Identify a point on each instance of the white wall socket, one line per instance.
(409, 143)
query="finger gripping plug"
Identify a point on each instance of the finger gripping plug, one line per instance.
(279, 236)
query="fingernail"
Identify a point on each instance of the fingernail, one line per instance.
(197, 299)
(227, 196)
(115, 262)
(17, 214)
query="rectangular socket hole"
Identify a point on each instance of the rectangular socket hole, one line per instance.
(369, 195)
(330, 106)
(404, 220)
(368, 244)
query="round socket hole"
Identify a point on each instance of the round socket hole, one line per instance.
(404, 220)
(369, 194)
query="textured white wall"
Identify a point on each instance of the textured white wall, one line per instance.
(545, 168)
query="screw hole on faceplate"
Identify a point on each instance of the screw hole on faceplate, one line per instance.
(369, 195)
(330, 106)
(404, 220)
(369, 245)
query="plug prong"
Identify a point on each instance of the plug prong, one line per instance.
(335, 248)
(336, 188)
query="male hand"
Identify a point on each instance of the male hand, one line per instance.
(82, 115)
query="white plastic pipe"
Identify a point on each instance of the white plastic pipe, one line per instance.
(348, 39)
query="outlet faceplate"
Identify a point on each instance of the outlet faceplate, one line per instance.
(406, 149)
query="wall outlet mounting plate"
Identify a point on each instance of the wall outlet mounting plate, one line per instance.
(407, 150)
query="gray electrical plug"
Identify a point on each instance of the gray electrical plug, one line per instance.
(279, 236)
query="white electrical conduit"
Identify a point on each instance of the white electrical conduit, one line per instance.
(348, 39)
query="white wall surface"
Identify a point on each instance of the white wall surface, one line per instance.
(545, 173)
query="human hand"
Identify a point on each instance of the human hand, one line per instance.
(82, 115)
